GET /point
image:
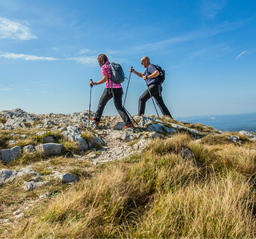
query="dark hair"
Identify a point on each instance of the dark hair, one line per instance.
(102, 58)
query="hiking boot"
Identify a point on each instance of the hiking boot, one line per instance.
(96, 121)
(130, 125)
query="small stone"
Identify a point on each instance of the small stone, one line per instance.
(119, 126)
(67, 178)
(19, 215)
(28, 186)
(17, 212)
(45, 195)
(234, 139)
(154, 135)
(50, 149)
(12, 142)
(29, 149)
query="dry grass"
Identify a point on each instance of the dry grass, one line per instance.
(157, 194)
(87, 136)
(219, 208)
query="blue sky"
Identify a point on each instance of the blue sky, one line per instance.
(48, 52)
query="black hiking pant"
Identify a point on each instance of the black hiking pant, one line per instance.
(105, 97)
(155, 91)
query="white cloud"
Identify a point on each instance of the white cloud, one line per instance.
(210, 8)
(241, 54)
(27, 57)
(14, 30)
(213, 51)
(84, 51)
(86, 60)
(6, 88)
(192, 36)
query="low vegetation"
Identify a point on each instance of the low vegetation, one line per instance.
(156, 194)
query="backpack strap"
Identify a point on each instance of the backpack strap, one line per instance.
(108, 78)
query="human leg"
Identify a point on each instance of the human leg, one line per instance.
(142, 102)
(159, 100)
(105, 97)
(118, 92)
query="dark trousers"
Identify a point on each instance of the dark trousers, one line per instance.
(155, 91)
(106, 96)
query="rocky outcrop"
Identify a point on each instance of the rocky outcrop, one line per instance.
(72, 134)
(249, 135)
(28, 186)
(109, 139)
(7, 175)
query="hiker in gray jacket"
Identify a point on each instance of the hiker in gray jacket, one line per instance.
(154, 88)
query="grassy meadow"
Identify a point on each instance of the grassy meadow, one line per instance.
(156, 194)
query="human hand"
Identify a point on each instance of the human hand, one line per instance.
(91, 83)
(131, 69)
(144, 77)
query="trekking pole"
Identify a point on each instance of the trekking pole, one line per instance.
(130, 116)
(90, 103)
(153, 101)
(127, 86)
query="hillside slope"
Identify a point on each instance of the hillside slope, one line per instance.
(162, 179)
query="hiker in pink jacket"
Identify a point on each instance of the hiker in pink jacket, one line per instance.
(107, 93)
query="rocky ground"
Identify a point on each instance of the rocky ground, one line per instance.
(43, 155)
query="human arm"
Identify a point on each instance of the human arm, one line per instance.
(136, 73)
(153, 75)
(104, 79)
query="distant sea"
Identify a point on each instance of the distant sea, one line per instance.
(230, 123)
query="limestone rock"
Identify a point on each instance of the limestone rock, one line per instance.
(28, 149)
(234, 139)
(48, 122)
(249, 135)
(119, 126)
(28, 186)
(67, 178)
(95, 141)
(14, 123)
(48, 139)
(50, 149)
(187, 154)
(12, 142)
(9, 155)
(73, 134)
(145, 121)
(154, 135)
(126, 135)
(7, 175)
(141, 144)
(45, 195)
(156, 127)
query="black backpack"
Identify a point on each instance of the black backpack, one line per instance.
(161, 76)
(117, 73)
